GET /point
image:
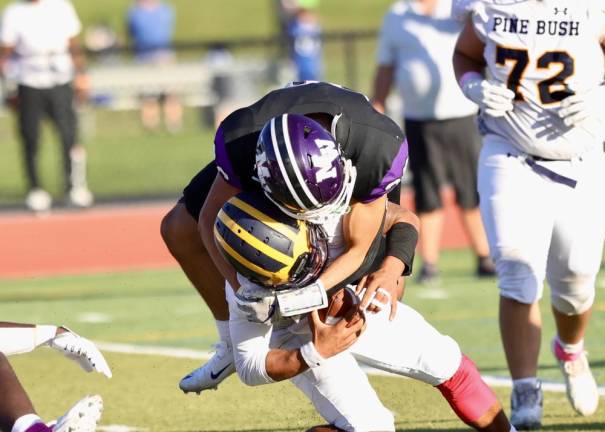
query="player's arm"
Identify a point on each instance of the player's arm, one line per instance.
(387, 283)
(19, 338)
(220, 192)
(360, 227)
(492, 97)
(256, 363)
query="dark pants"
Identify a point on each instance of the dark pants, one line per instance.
(58, 104)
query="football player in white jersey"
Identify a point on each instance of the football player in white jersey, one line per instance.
(536, 69)
(270, 344)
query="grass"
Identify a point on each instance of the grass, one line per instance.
(161, 308)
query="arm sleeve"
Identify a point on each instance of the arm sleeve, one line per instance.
(21, 340)
(250, 344)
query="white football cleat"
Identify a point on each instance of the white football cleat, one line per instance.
(526, 406)
(582, 391)
(211, 374)
(82, 417)
(38, 200)
(82, 351)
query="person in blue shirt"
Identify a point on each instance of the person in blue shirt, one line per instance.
(150, 25)
(306, 51)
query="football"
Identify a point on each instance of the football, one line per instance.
(339, 304)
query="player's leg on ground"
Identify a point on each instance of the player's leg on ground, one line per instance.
(573, 264)
(14, 402)
(520, 329)
(150, 113)
(519, 229)
(343, 396)
(410, 346)
(181, 236)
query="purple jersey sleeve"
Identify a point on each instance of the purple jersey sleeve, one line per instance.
(223, 163)
(392, 177)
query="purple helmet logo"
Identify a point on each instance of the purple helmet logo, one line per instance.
(299, 164)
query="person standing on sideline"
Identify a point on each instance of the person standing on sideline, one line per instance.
(150, 27)
(416, 43)
(38, 39)
(541, 175)
(304, 32)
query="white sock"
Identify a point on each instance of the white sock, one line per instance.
(571, 348)
(25, 422)
(529, 380)
(223, 331)
(512, 429)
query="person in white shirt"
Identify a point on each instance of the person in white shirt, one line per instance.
(415, 46)
(17, 413)
(536, 69)
(40, 53)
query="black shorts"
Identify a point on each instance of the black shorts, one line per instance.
(443, 152)
(196, 192)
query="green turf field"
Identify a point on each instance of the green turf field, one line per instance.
(159, 308)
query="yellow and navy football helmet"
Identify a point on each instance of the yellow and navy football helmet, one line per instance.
(267, 246)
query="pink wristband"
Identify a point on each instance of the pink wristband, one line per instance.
(466, 76)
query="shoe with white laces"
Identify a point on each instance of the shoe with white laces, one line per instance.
(211, 374)
(582, 391)
(82, 417)
(38, 200)
(526, 406)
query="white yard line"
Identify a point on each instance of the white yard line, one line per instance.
(495, 381)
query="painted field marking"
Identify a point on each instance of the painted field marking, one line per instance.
(496, 381)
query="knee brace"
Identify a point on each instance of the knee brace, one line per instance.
(574, 295)
(518, 281)
(467, 393)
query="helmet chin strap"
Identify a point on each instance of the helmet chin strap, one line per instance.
(337, 208)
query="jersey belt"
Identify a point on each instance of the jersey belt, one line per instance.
(554, 176)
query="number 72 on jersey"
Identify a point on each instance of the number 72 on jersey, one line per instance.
(550, 90)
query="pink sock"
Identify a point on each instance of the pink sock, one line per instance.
(566, 355)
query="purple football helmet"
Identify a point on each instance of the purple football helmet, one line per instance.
(301, 169)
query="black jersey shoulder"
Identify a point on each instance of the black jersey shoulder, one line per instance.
(370, 139)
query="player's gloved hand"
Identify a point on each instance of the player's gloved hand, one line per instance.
(384, 286)
(491, 96)
(258, 303)
(583, 105)
(80, 350)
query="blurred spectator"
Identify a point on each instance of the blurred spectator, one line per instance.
(150, 27)
(304, 33)
(40, 53)
(415, 49)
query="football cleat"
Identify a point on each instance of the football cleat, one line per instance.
(80, 197)
(82, 417)
(526, 406)
(582, 391)
(211, 374)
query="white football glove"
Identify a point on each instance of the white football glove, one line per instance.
(258, 303)
(80, 350)
(491, 96)
(583, 105)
